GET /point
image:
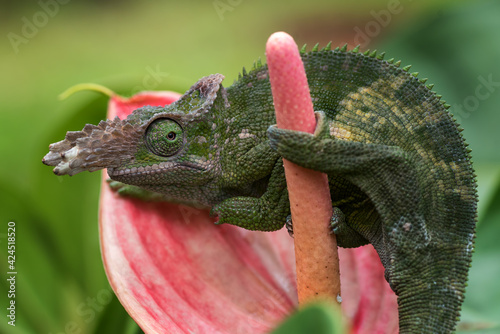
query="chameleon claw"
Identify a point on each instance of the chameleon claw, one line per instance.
(214, 214)
(289, 225)
(337, 221)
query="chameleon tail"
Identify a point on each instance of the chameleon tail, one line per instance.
(431, 291)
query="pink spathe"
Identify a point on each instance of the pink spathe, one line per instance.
(174, 271)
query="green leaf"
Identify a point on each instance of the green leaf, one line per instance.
(473, 322)
(318, 318)
(37, 264)
(483, 293)
(488, 181)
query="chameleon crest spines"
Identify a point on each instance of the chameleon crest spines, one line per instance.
(398, 168)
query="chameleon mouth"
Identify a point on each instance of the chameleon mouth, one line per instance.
(159, 168)
(151, 169)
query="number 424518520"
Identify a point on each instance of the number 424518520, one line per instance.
(11, 245)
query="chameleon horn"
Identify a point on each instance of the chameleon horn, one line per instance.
(95, 147)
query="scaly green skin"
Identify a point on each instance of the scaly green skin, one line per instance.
(398, 168)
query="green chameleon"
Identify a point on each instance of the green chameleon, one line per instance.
(400, 173)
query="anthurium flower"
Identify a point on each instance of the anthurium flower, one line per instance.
(174, 271)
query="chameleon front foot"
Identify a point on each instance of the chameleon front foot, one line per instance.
(289, 225)
(264, 213)
(254, 214)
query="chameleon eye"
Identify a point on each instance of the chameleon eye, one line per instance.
(164, 137)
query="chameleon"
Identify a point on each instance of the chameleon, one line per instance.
(399, 169)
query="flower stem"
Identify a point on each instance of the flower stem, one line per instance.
(316, 257)
(86, 86)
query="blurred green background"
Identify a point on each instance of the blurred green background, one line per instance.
(49, 45)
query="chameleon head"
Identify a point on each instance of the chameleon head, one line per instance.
(154, 146)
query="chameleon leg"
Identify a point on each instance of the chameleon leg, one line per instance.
(423, 263)
(265, 213)
(252, 165)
